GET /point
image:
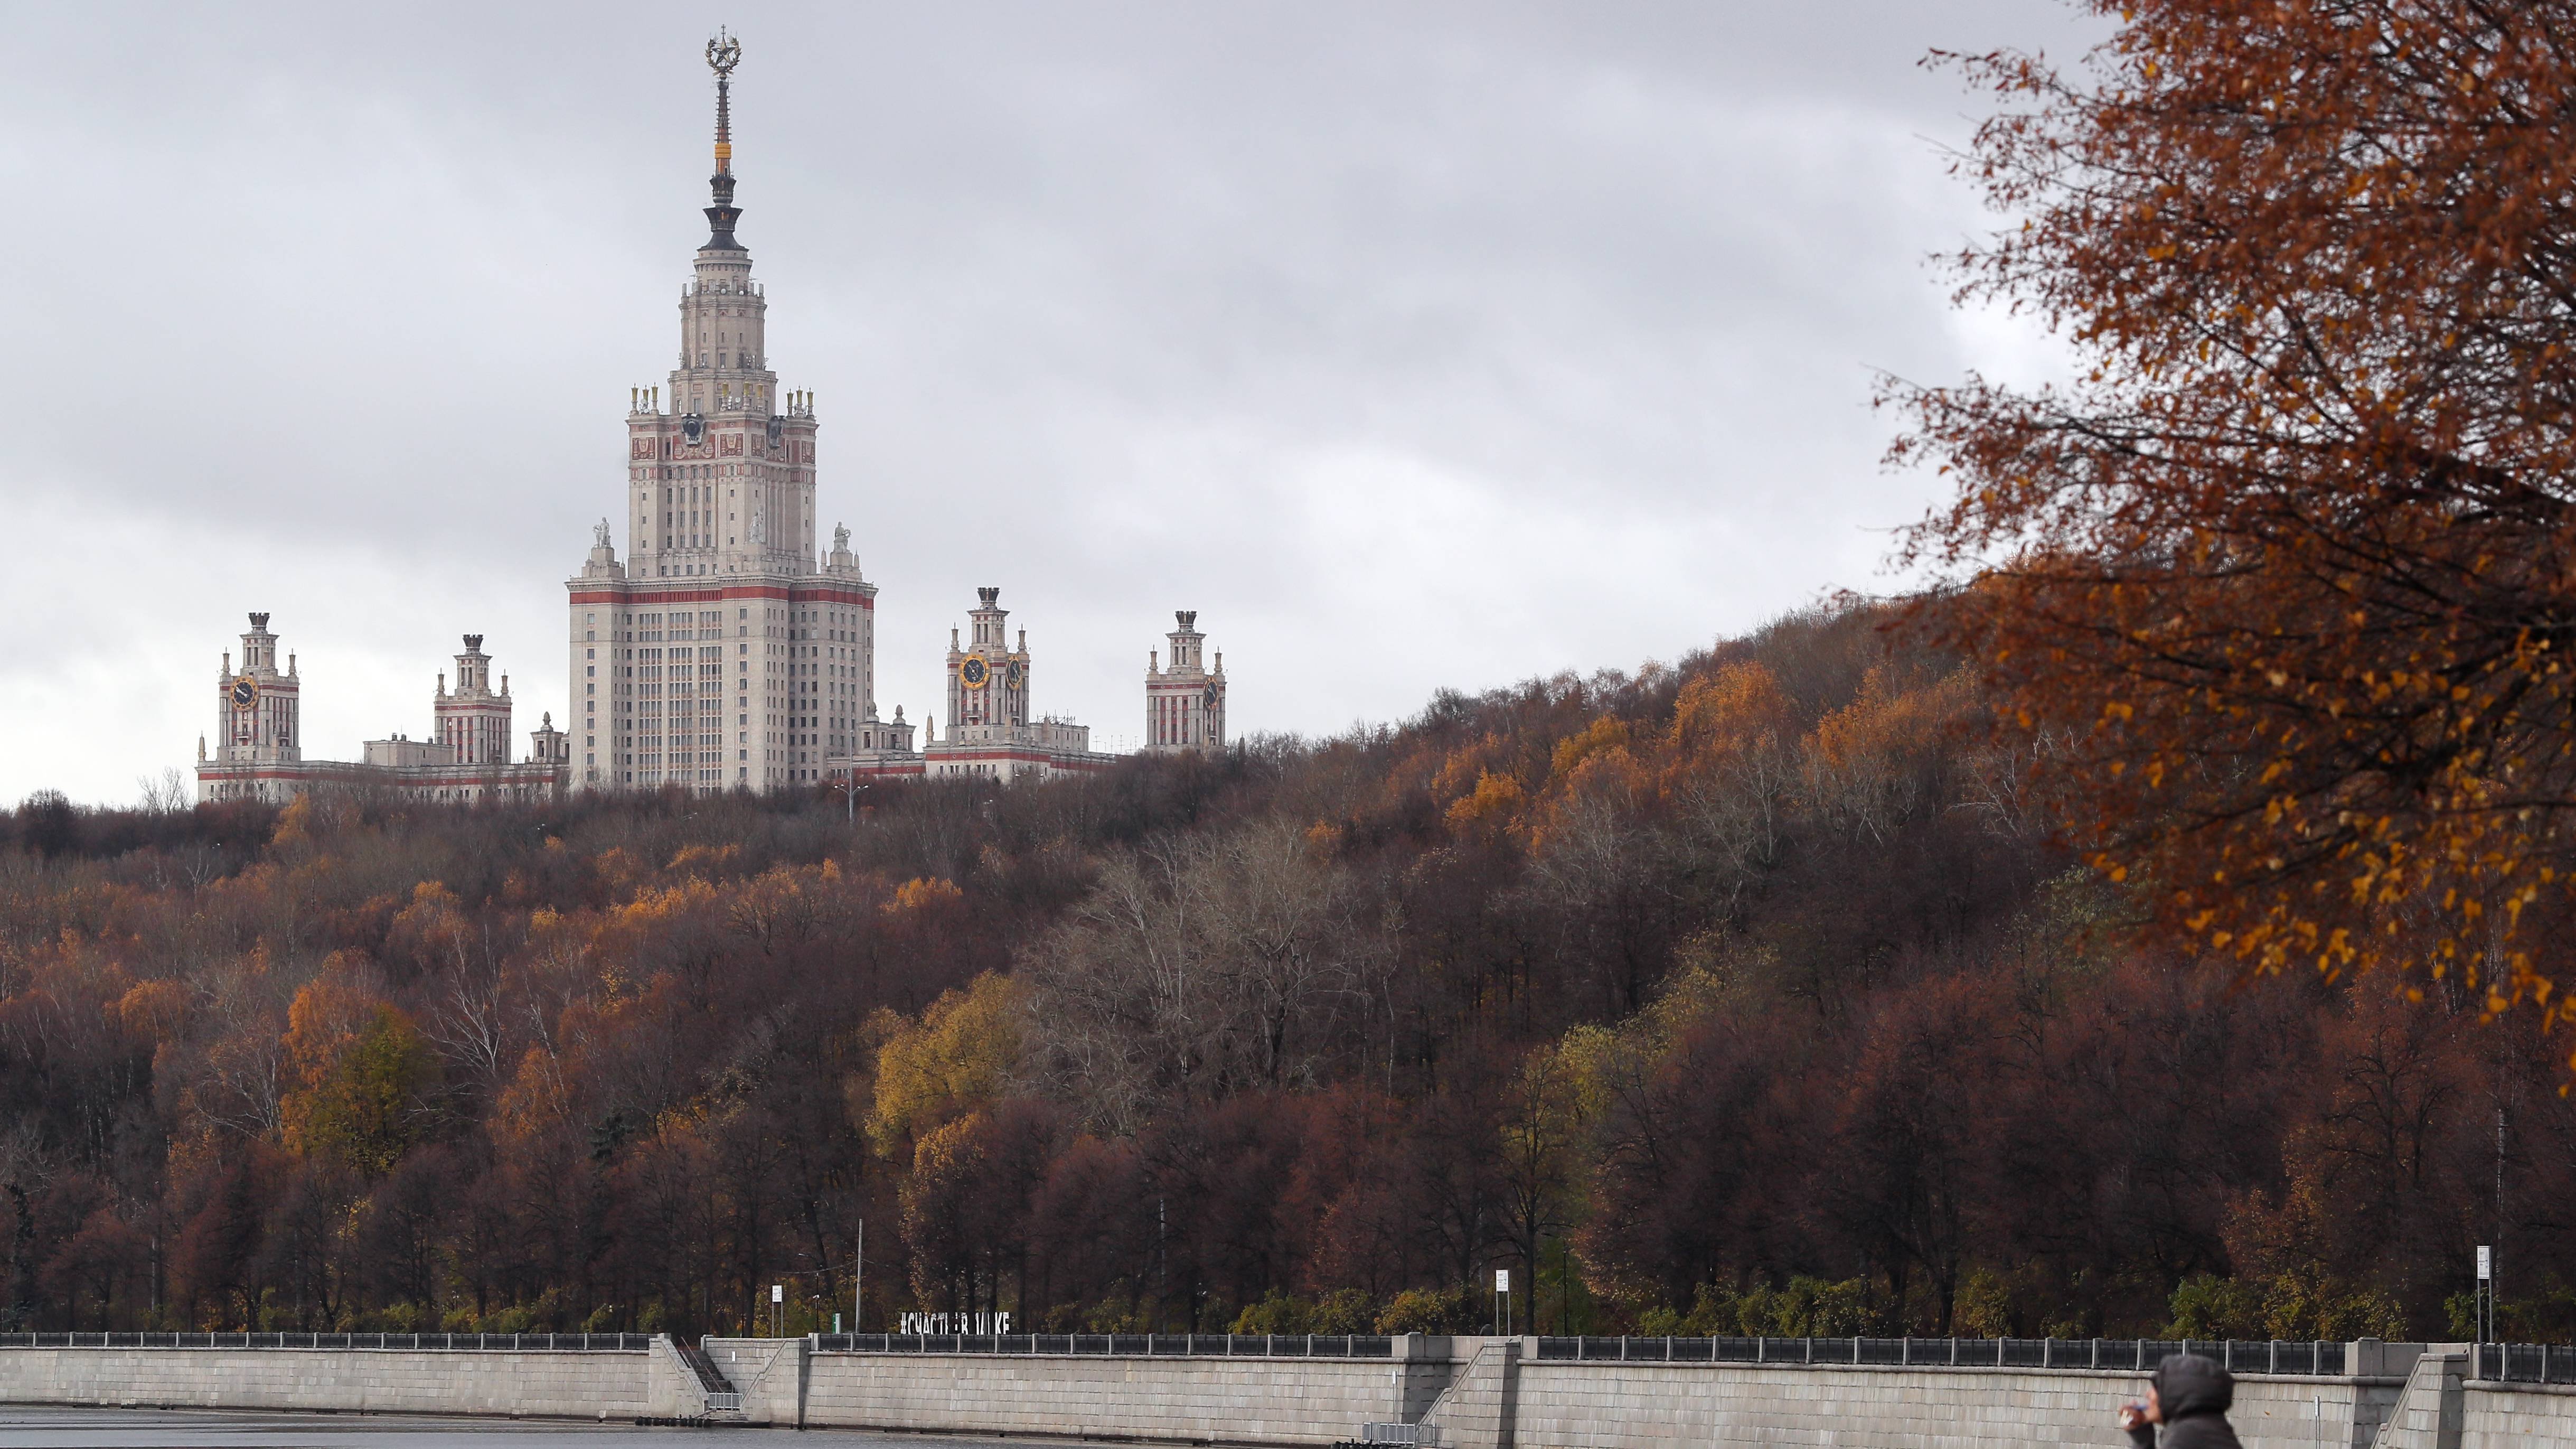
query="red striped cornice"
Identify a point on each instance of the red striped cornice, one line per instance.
(863, 596)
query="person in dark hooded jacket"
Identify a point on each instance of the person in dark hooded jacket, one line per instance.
(2189, 1396)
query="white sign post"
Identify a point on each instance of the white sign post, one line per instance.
(1502, 1300)
(2486, 1298)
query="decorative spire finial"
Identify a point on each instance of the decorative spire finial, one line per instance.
(723, 54)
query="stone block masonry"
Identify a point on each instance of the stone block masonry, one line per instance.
(1666, 1406)
(1183, 1400)
(602, 1384)
(1463, 1393)
(769, 1373)
(2498, 1414)
(1500, 1395)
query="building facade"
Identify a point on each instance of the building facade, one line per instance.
(723, 652)
(258, 751)
(1185, 704)
(992, 732)
(726, 648)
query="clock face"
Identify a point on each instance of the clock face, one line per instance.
(693, 428)
(1211, 696)
(245, 692)
(1011, 676)
(973, 673)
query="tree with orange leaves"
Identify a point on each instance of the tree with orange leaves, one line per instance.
(2290, 560)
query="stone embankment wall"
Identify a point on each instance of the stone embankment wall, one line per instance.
(2494, 1415)
(1666, 1406)
(769, 1373)
(1467, 1393)
(2439, 1409)
(1196, 1400)
(1482, 1393)
(1499, 1395)
(595, 1384)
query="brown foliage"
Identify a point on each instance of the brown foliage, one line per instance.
(2287, 568)
(1739, 992)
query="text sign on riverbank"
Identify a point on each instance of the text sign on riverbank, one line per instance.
(974, 1323)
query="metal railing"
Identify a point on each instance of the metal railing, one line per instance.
(2524, 1363)
(439, 1342)
(2132, 1354)
(1120, 1345)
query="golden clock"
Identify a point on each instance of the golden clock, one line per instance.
(973, 672)
(245, 691)
(1011, 676)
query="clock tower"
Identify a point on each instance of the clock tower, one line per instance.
(259, 707)
(988, 680)
(990, 731)
(724, 652)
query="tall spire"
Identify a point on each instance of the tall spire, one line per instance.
(723, 54)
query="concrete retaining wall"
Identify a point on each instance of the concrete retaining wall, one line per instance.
(2428, 1411)
(769, 1373)
(1664, 1406)
(2496, 1415)
(1481, 1408)
(2440, 1410)
(1239, 1400)
(1498, 1395)
(1503, 1398)
(585, 1385)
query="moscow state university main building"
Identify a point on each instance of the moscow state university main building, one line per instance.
(724, 650)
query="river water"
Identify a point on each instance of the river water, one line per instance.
(24, 1427)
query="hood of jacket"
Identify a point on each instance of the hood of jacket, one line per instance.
(2188, 1384)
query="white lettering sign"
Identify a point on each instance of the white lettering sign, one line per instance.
(965, 1323)
(1502, 1280)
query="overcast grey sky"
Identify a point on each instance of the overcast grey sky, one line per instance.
(1412, 345)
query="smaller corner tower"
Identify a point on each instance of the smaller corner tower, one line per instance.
(1185, 704)
(548, 745)
(473, 720)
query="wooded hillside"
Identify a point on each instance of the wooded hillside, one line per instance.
(1740, 995)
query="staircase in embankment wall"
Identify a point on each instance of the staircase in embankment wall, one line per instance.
(723, 1400)
(1463, 1393)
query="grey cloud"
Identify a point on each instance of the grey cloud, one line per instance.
(1552, 322)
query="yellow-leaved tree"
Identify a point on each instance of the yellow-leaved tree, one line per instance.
(957, 1058)
(367, 1079)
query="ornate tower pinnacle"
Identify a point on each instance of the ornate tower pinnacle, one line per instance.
(723, 54)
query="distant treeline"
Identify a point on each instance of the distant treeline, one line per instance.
(1744, 995)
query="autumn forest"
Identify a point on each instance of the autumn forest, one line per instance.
(1742, 994)
(2153, 923)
